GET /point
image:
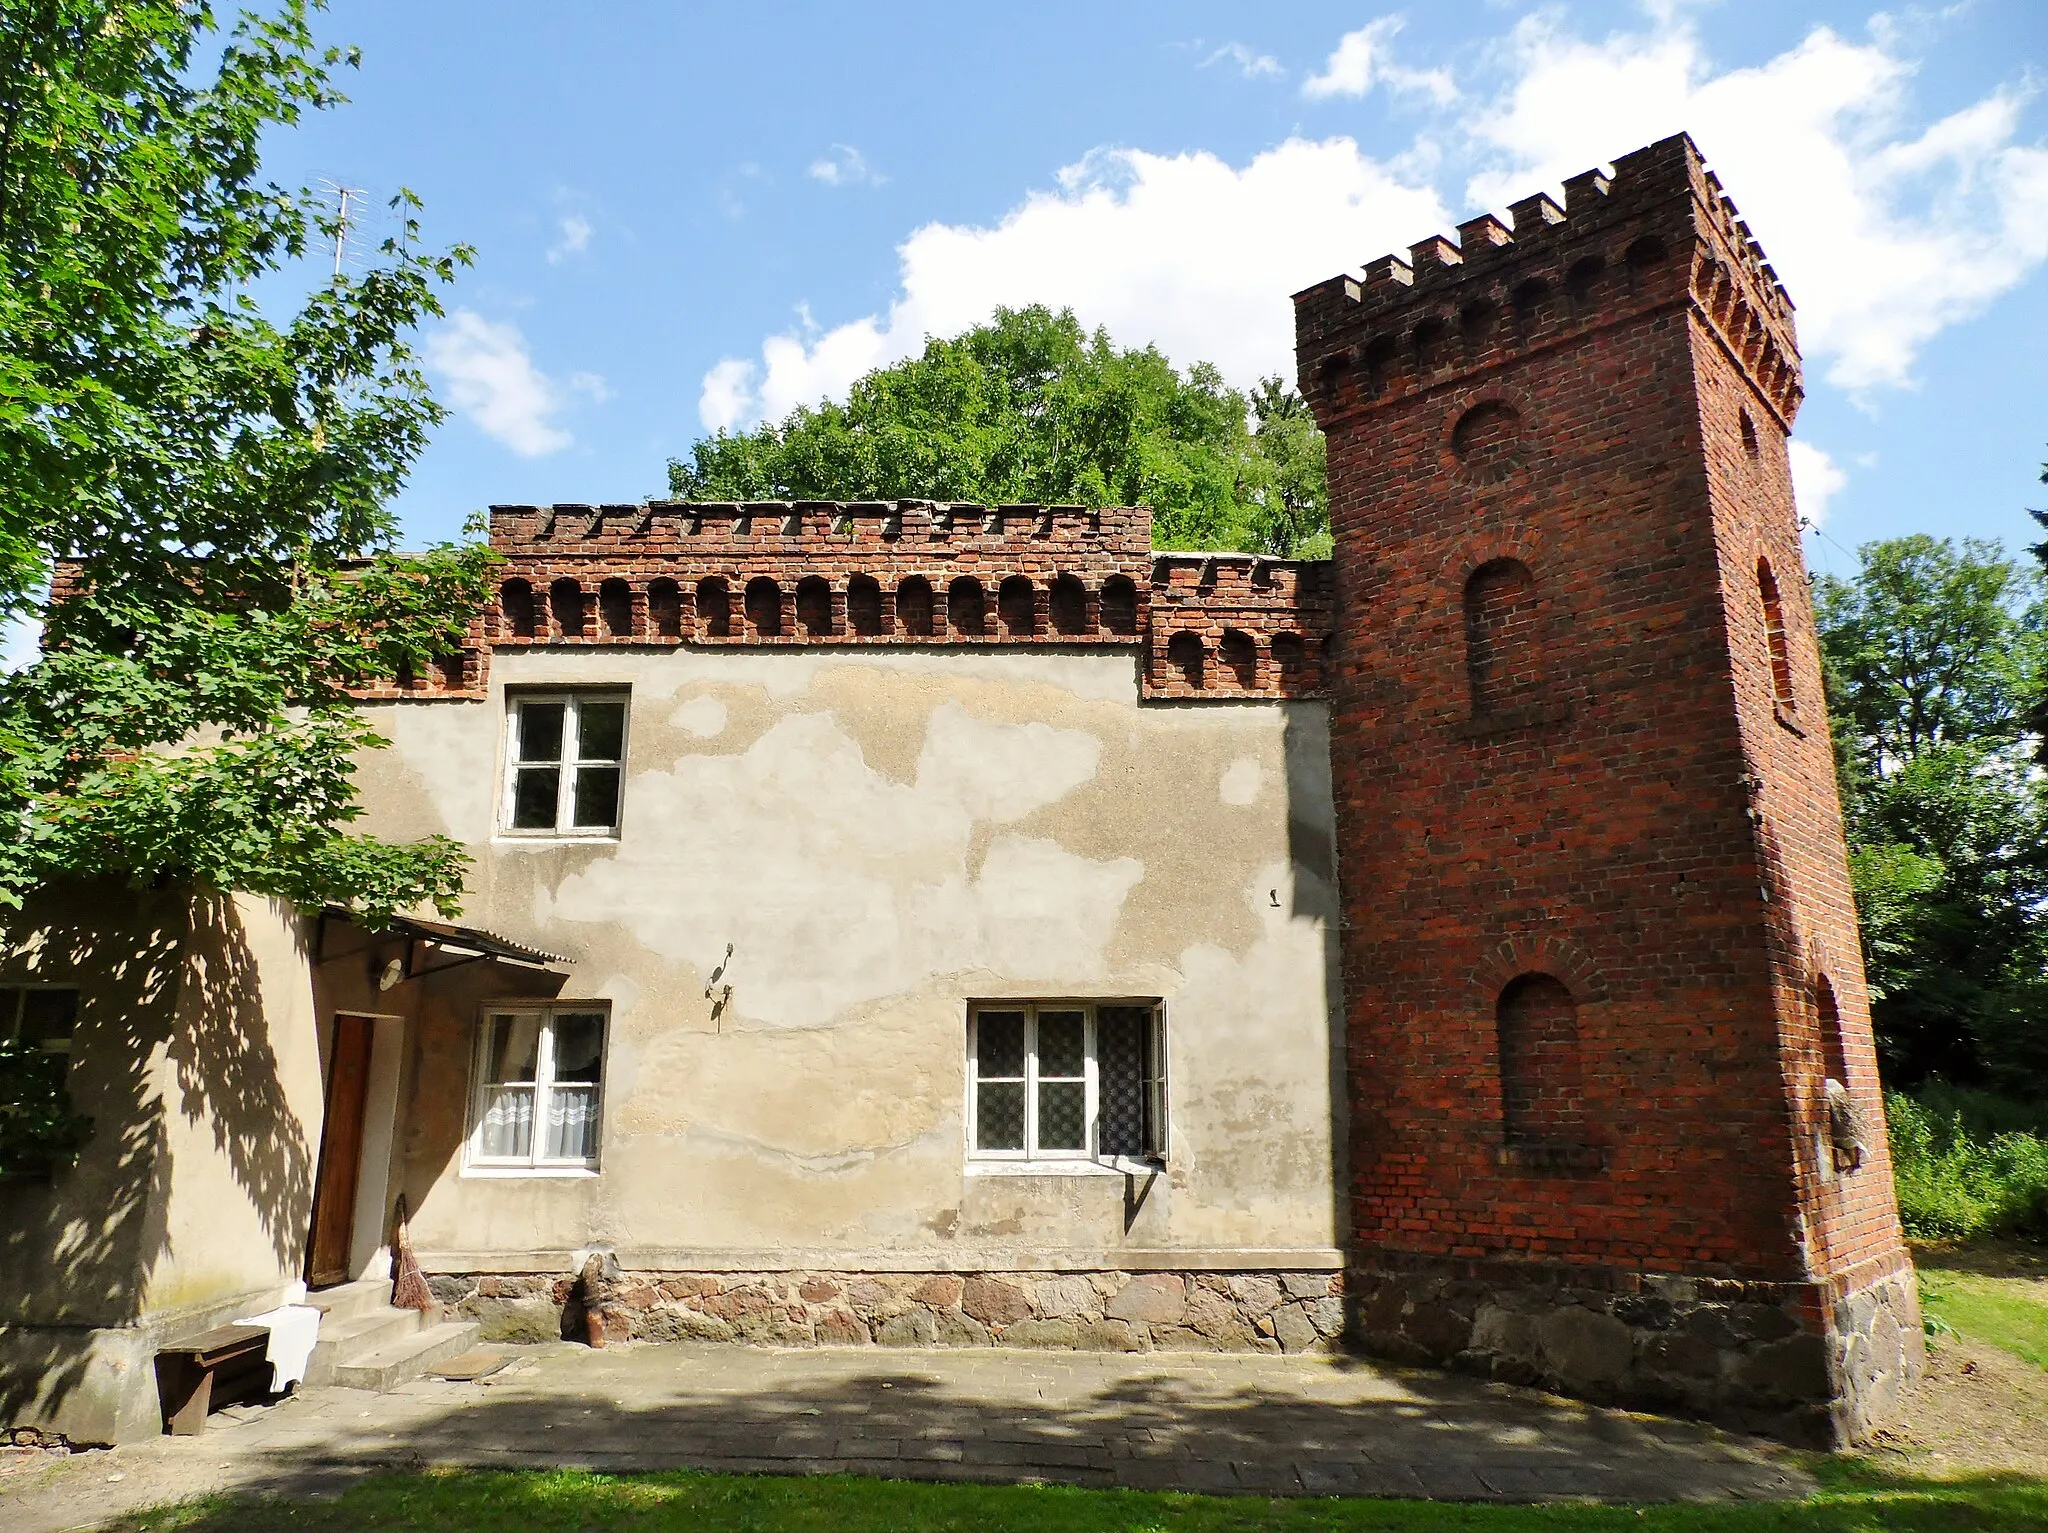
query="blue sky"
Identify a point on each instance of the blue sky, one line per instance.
(687, 216)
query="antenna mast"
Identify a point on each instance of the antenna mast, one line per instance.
(344, 217)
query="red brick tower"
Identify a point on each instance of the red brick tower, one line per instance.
(1600, 961)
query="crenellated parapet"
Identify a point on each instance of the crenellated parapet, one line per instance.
(1237, 625)
(855, 573)
(1658, 233)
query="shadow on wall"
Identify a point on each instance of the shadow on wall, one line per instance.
(164, 979)
(1312, 852)
(227, 1074)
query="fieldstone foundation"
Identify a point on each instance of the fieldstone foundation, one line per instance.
(1089, 1311)
(1786, 1360)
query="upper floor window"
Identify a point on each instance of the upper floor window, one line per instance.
(1066, 1080)
(539, 1074)
(565, 758)
(39, 1015)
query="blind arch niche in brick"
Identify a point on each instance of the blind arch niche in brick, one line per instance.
(1502, 648)
(1774, 633)
(1541, 1084)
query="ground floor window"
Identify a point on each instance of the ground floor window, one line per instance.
(539, 1075)
(1066, 1080)
(40, 1015)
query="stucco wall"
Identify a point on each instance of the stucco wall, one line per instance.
(881, 837)
(196, 1057)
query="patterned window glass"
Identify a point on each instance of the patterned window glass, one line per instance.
(1066, 1081)
(566, 764)
(1062, 1080)
(539, 1078)
(999, 1080)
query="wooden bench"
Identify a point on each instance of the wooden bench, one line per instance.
(219, 1367)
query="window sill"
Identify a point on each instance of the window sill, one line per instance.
(556, 837)
(1117, 1166)
(526, 1173)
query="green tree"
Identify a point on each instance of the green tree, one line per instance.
(215, 481)
(1029, 408)
(1934, 656)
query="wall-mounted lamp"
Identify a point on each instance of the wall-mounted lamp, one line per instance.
(393, 975)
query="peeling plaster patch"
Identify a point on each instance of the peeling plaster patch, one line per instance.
(701, 716)
(837, 886)
(1047, 913)
(1002, 772)
(1241, 781)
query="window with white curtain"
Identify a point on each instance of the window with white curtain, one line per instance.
(539, 1089)
(1053, 1081)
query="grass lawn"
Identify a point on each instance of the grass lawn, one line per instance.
(1995, 1308)
(1858, 1499)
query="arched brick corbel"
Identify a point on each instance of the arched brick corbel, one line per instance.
(1539, 953)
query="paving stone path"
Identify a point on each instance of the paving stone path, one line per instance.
(1301, 1425)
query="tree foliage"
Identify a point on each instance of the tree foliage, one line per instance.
(1934, 654)
(1029, 408)
(214, 480)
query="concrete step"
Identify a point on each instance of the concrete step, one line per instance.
(398, 1362)
(345, 1301)
(342, 1340)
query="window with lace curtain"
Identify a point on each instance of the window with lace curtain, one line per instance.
(539, 1084)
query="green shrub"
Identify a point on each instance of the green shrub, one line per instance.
(1969, 1166)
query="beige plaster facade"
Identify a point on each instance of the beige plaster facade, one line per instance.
(197, 1056)
(880, 837)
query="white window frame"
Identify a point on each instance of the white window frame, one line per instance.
(10, 1022)
(1089, 1156)
(534, 1163)
(571, 765)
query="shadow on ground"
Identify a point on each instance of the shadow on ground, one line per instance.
(1180, 1423)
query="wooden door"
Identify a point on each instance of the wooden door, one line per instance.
(341, 1152)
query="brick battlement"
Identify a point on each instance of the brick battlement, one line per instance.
(849, 573)
(1658, 233)
(879, 524)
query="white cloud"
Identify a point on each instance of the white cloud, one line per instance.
(493, 381)
(730, 396)
(845, 166)
(1362, 61)
(592, 386)
(1252, 65)
(1886, 229)
(573, 238)
(1885, 232)
(1183, 250)
(1816, 480)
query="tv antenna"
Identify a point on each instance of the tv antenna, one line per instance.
(347, 199)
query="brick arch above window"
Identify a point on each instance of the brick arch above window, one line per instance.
(1546, 953)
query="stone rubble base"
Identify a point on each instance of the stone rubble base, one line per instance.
(1088, 1311)
(1757, 1357)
